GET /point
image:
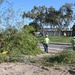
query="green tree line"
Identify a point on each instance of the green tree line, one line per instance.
(45, 16)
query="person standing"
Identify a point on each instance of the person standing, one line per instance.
(46, 42)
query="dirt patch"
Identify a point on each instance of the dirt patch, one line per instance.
(29, 69)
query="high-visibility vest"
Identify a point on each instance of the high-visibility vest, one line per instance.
(46, 40)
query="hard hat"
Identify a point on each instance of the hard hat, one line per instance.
(74, 37)
(46, 35)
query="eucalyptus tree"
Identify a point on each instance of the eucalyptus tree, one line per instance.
(50, 16)
(42, 16)
(64, 17)
(67, 15)
(38, 14)
(60, 18)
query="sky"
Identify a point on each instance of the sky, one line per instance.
(27, 5)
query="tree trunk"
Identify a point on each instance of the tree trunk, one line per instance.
(42, 29)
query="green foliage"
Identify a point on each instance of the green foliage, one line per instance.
(36, 26)
(57, 39)
(3, 58)
(60, 39)
(65, 57)
(19, 43)
(52, 17)
(29, 29)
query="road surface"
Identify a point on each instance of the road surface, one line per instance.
(56, 47)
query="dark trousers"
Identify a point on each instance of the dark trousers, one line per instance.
(46, 47)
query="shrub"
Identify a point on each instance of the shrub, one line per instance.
(19, 43)
(65, 57)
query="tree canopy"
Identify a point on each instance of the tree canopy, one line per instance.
(60, 18)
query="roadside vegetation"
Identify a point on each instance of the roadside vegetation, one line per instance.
(14, 43)
(62, 58)
(65, 57)
(22, 43)
(18, 43)
(63, 39)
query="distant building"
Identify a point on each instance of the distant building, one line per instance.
(55, 32)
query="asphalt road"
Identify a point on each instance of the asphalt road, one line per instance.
(57, 46)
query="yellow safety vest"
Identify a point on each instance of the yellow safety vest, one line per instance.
(46, 40)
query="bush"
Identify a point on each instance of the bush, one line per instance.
(19, 43)
(65, 57)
